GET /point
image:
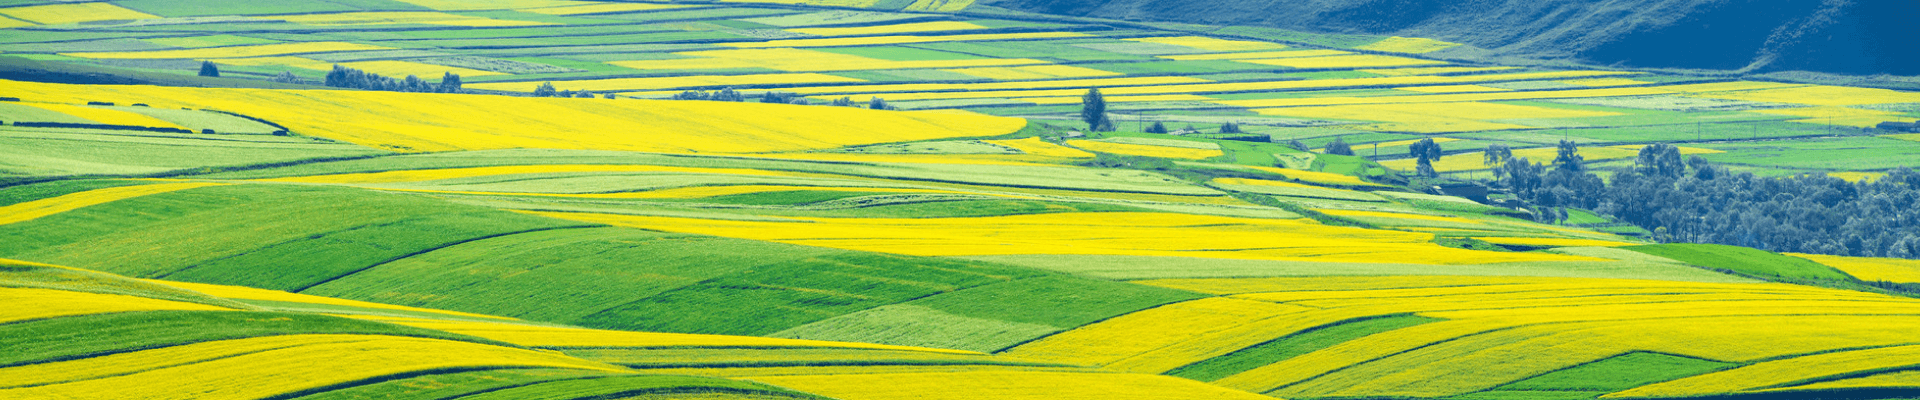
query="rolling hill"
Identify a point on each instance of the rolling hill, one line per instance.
(1861, 38)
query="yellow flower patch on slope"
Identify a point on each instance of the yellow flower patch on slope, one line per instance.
(32, 210)
(30, 304)
(53, 14)
(441, 122)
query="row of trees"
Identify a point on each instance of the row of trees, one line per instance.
(1698, 202)
(776, 97)
(346, 77)
(1093, 111)
(546, 89)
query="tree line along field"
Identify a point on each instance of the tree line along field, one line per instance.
(295, 243)
(954, 55)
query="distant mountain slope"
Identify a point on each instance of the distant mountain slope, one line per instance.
(1839, 36)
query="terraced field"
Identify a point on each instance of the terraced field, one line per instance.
(298, 243)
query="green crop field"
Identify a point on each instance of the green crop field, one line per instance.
(290, 229)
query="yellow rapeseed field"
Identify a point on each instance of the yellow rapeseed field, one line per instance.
(269, 365)
(6, 23)
(1782, 372)
(108, 116)
(935, 26)
(551, 336)
(1451, 357)
(1256, 55)
(30, 304)
(421, 175)
(628, 84)
(602, 8)
(1856, 176)
(801, 60)
(1035, 146)
(1007, 385)
(1145, 150)
(1842, 116)
(1398, 44)
(1902, 379)
(902, 39)
(1114, 233)
(1212, 44)
(54, 14)
(1818, 95)
(1140, 332)
(1034, 72)
(32, 210)
(1496, 328)
(1870, 268)
(1345, 61)
(234, 51)
(247, 293)
(441, 122)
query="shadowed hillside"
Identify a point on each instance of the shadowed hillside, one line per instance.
(1852, 37)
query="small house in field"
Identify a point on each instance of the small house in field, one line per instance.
(1900, 126)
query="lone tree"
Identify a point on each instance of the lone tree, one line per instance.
(1494, 156)
(1569, 158)
(545, 90)
(449, 83)
(208, 70)
(1660, 159)
(1157, 128)
(1231, 127)
(1426, 151)
(1339, 147)
(878, 103)
(1093, 110)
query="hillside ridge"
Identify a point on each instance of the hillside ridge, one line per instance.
(1862, 38)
